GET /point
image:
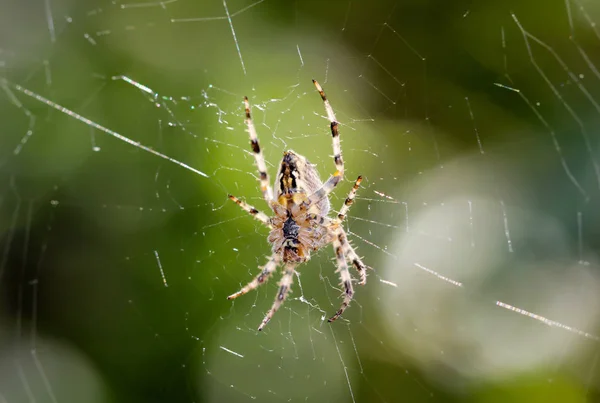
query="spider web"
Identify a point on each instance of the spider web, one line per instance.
(473, 126)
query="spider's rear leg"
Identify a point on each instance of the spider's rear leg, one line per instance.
(284, 288)
(264, 275)
(344, 275)
(353, 257)
(259, 215)
(348, 250)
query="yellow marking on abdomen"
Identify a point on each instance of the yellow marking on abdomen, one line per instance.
(283, 200)
(299, 198)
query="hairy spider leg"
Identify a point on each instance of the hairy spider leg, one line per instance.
(265, 187)
(344, 276)
(352, 257)
(323, 220)
(264, 275)
(348, 250)
(284, 288)
(259, 215)
(349, 200)
(337, 149)
(334, 179)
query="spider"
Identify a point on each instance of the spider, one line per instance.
(300, 224)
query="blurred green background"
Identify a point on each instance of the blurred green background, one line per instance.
(474, 125)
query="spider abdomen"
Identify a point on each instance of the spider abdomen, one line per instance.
(297, 176)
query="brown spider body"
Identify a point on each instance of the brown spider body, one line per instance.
(295, 234)
(300, 224)
(299, 177)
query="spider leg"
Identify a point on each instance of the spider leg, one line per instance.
(265, 187)
(324, 190)
(334, 225)
(334, 179)
(322, 220)
(284, 288)
(264, 275)
(259, 215)
(349, 200)
(344, 275)
(337, 148)
(353, 257)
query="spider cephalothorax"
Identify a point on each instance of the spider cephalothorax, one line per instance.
(289, 238)
(300, 223)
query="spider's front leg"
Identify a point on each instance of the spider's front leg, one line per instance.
(265, 187)
(334, 179)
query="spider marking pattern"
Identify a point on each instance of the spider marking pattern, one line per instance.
(299, 224)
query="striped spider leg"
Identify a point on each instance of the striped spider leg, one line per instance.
(335, 223)
(267, 271)
(265, 187)
(344, 252)
(284, 288)
(348, 249)
(338, 175)
(259, 215)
